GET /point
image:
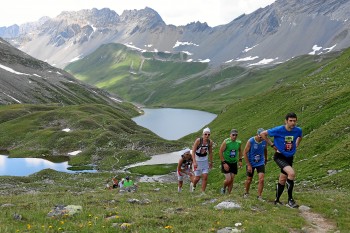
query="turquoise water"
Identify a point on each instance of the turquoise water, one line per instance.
(168, 123)
(173, 124)
(28, 166)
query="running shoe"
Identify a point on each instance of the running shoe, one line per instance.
(223, 190)
(192, 188)
(202, 194)
(278, 203)
(246, 195)
(291, 203)
(260, 198)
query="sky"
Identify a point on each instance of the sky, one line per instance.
(179, 12)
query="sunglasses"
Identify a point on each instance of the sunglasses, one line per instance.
(234, 134)
(207, 134)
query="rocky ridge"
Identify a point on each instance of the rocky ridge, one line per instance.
(25, 79)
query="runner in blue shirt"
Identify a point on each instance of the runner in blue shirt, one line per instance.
(286, 140)
(255, 155)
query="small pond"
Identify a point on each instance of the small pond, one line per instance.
(172, 123)
(28, 166)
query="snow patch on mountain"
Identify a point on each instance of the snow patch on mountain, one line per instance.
(130, 45)
(330, 48)
(250, 58)
(204, 61)
(179, 43)
(116, 100)
(315, 48)
(247, 49)
(75, 152)
(76, 59)
(12, 70)
(264, 61)
(187, 52)
(12, 98)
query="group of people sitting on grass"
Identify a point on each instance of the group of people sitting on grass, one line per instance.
(124, 184)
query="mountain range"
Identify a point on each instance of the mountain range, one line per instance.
(270, 35)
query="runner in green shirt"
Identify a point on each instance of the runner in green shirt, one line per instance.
(230, 151)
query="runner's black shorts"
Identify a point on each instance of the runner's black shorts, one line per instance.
(283, 161)
(259, 169)
(232, 168)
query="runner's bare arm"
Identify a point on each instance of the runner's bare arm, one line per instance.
(245, 153)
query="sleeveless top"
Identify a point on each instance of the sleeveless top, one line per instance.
(232, 149)
(256, 153)
(202, 151)
(186, 163)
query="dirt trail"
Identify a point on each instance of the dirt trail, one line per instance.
(318, 223)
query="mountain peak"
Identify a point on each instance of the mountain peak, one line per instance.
(103, 17)
(146, 15)
(197, 26)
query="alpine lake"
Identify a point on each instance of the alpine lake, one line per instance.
(168, 123)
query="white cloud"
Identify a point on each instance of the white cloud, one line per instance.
(180, 12)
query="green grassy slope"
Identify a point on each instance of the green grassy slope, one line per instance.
(315, 87)
(321, 100)
(134, 75)
(106, 135)
(173, 82)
